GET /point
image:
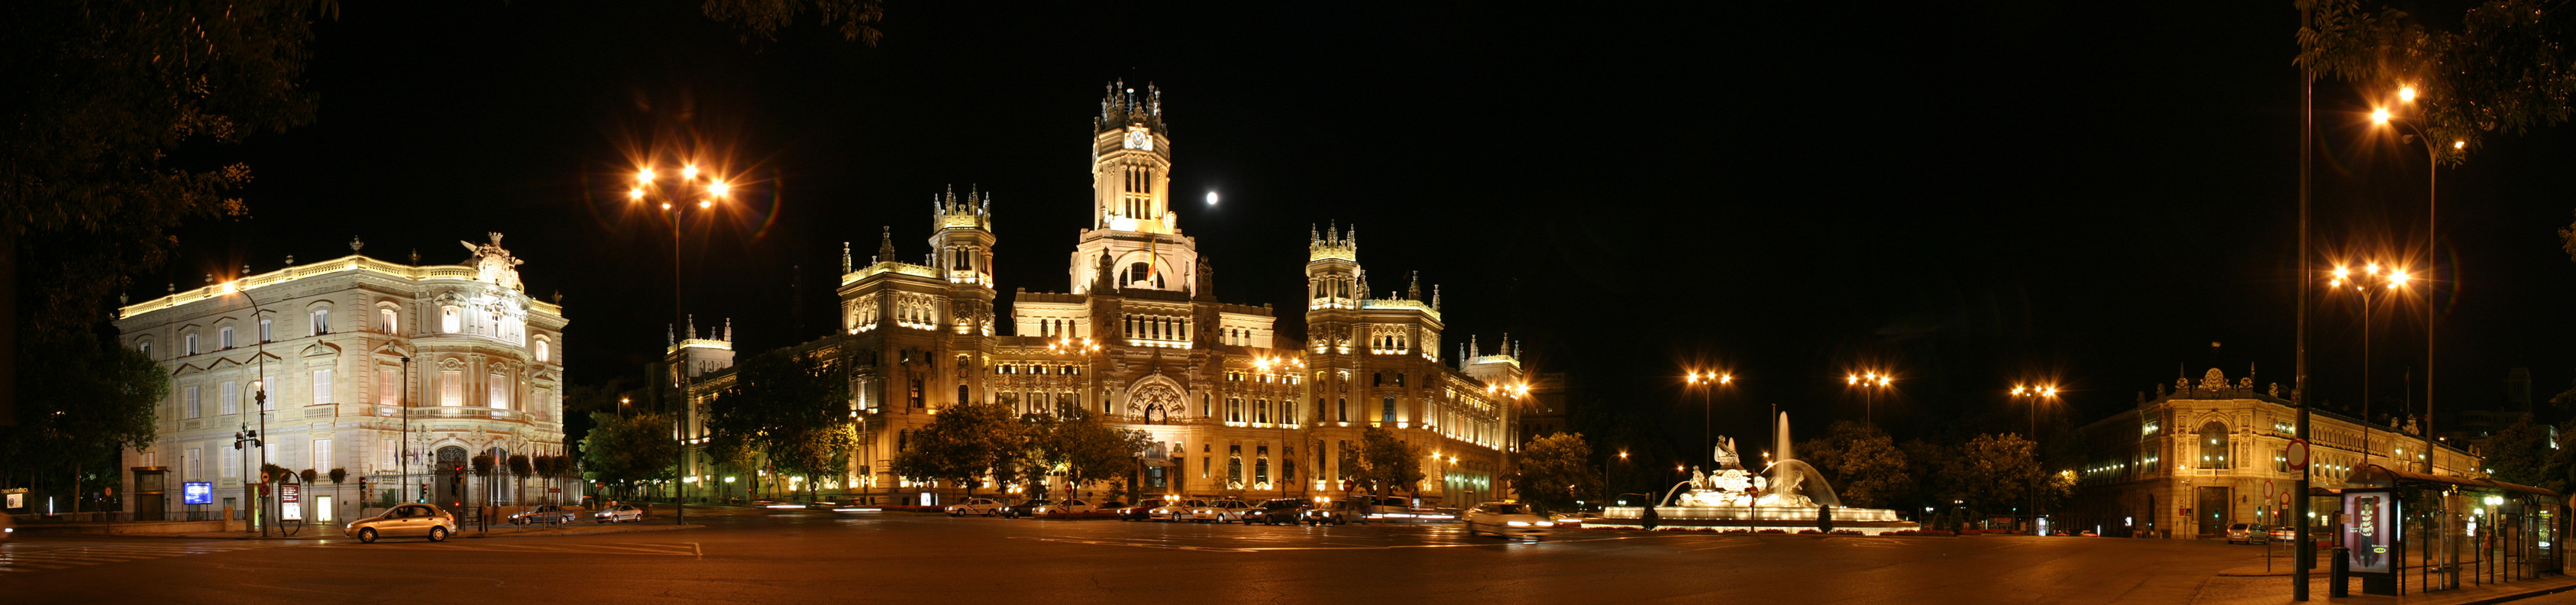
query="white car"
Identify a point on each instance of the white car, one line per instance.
(976, 506)
(1176, 510)
(401, 521)
(1221, 511)
(1067, 506)
(1506, 519)
(622, 513)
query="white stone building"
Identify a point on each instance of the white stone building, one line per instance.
(346, 347)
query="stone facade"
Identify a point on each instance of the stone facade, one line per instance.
(1232, 407)
(351, 348)
(2195, 458)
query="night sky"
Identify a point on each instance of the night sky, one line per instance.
(1970, 196)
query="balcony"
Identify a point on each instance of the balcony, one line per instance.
(467, 413)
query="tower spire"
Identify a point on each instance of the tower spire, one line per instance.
(693, 327)
(845, 257)
(885, 246)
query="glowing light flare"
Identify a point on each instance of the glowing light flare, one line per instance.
(2379, 116)
(2459, 144)
(644, 175)
(718, 188)
(2406, 94)
(636, 194)
(2397, 278)
(1211, 198)
(689, 171)
(706, 203)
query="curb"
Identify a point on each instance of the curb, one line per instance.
(2522, 595)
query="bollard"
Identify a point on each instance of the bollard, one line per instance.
(2337, 585)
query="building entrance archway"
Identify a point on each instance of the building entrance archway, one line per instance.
(448, 477)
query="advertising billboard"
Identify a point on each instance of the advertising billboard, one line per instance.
(290, 498)
(2370, 530)
(197, 492)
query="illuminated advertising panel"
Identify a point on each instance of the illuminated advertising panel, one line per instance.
(2370, 530)
(197, 492)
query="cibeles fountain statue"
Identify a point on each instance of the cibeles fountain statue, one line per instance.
(1787, 495)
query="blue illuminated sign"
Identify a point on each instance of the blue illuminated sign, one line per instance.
(197, 492)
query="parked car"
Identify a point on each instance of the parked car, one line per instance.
(1221, 511)
(1506, 519)
(2088, 534)
(1140, 511)
(1176, 510)
(407, 520)
(1023, 509)
(976, 506)
(2248, 533)
(1383, 507)
(1277, 511)
(548, 514)
(2285, 533)
(1067, 506)
(619, 513)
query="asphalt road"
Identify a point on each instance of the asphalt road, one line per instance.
(801, 557)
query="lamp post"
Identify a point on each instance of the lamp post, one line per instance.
(2371, 281)
(1708, 383)
(2432, 190)
(1870, 383)
(2037, 395)
(259, 398)
(675, 200)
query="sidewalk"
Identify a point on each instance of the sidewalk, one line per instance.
(575, 529)
(2255, 588)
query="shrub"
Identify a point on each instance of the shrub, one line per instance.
(1774, 530)
(1810, 532)
(308, 476)
(1845, 532)
(338, 475)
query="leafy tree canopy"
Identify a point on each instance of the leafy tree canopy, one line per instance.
(1556, 471)
(961, 443)
(1383, 463)
(633, 448)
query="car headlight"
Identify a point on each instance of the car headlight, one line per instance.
(1517, 523)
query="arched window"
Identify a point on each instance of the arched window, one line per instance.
(961, 395)
(2213, 445)
(545, 351)
(450, 320)
(385, 320)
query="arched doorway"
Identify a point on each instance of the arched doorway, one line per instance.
(449, 481)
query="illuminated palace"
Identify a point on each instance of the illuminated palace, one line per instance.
(2197, 457)
(382, 373)
(1232, 406)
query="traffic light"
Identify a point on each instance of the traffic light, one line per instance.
(424, 491)
(362, 486)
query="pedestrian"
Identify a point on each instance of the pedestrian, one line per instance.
(1648, 519)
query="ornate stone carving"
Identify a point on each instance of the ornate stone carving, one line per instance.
(492, 264)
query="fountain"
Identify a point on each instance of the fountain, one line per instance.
(1788, 495)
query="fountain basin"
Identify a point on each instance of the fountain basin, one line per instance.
(1870, 521)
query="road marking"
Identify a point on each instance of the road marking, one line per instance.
(30, 557)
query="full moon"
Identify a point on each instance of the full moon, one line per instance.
(1211, 198)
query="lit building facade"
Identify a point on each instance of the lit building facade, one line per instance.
(348, 349)
(1232, 407)
(2197, 456)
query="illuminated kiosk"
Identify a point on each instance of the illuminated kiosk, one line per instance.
(1789, 496)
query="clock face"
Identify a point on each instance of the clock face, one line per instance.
(1137, 138)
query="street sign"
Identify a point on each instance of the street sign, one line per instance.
(2298, 454)
(2267, 489)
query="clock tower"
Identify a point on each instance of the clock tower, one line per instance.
(1132, 220)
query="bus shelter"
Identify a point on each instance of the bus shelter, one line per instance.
(2402, 529)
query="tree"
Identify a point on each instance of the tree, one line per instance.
(1086, 448)
(520, 467)
(786, 411)
(2504, 68)
(95, 402)
(1863, 463)
(854, 19)
(961, 443)
(1556, 472)
(633, 448)
(1383, 463)
(1994, 472)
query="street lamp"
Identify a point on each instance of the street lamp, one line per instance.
(686, 189)
(2371, 281)
(2433, 150)
(2038, 395)
(1870, 383)
(259, 397)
